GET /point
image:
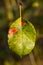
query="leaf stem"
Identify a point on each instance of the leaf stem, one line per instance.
(20, 12)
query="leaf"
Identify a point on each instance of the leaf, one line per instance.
(23, 41)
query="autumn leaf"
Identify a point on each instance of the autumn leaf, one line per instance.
(23, 41)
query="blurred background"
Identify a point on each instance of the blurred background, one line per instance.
(32, 10)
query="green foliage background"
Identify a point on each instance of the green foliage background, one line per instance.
(31, 12)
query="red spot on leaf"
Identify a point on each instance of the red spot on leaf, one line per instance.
(13, 30)
(23, 23)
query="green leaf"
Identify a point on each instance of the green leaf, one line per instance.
(23, 41)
